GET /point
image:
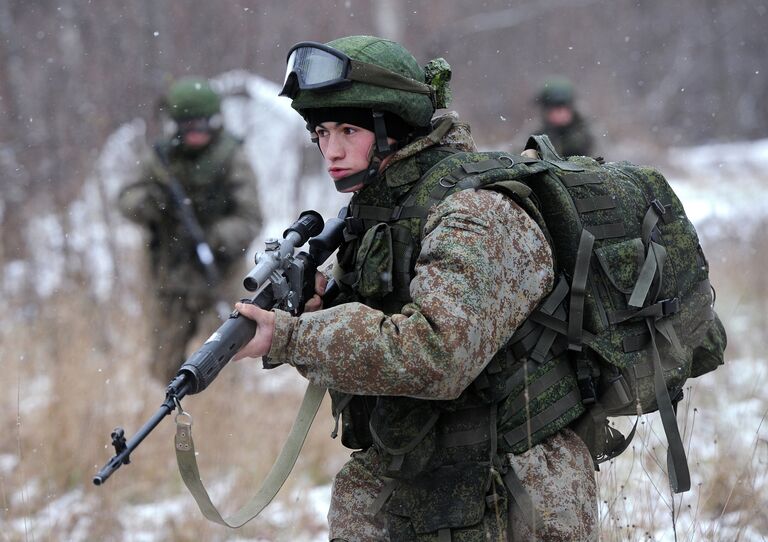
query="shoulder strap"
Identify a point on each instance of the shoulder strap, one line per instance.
(185, 458)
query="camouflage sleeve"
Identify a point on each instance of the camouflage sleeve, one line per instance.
(234, 233)
(484, 265)
(145, 200)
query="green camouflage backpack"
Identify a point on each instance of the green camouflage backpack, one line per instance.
(632, 308)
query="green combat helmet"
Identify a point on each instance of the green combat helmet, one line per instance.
(366, 73)
(556, 91)
(192, 97)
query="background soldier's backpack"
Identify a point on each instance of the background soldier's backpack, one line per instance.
(633, 308)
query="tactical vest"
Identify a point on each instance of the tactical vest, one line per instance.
(433, 447)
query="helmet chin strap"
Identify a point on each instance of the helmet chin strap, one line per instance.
(363, 178)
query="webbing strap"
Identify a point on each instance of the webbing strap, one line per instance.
(527, 327)
(677, 464)
(667, 330)
(521, 498)
(389, 486)
(580, 180)
(662, 308)
(523, 346)
(371, 212)
(543, 418)
(482, 166)
(650, 220)
(543, 345)
(187, 463)
(414, 211)
(539, 386)
(596, 203)
(560, 326)
(578, 290)
(556, 297)
(607, 231)
(633, 343)
(653, 266)
(529, 336)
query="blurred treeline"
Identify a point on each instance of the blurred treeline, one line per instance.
(669, 73)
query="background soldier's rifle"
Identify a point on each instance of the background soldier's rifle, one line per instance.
(281, 279)
(188, 218)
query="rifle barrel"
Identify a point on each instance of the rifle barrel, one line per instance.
(165, 409)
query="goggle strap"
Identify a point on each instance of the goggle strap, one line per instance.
(376, 75)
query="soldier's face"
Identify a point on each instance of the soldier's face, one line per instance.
(560, 115)
(195, 133)
(347, 149)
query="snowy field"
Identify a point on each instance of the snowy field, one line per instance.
(724, 189)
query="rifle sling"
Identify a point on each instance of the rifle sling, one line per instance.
(185, 458)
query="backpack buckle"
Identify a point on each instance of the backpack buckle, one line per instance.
(661, 211)
(670, 306)
(658, 207)
(586, 382)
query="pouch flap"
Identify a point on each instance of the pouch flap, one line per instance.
(447, 498)
(621, 263)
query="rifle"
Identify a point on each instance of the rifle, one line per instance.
(282, 280)
(186, 214)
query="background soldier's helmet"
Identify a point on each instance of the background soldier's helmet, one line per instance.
(556, 91)
(191, 98)
(413, 108)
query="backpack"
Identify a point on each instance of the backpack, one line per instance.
(632, 307)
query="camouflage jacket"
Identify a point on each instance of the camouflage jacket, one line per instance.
(222, 189)
(573, 140)
(472, 287)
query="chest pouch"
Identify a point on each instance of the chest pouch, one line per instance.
(373, 263)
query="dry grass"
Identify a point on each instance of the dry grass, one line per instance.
(72, 371)
(722, 418)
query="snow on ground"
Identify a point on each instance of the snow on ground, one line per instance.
(722, 183)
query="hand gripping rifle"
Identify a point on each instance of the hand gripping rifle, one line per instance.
(281, 279)
(188, 219)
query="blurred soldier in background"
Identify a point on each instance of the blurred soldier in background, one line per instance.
(197, 196)
(566, 128)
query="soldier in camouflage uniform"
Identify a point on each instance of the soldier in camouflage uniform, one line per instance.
(566, 128)
(432, 290)
(211, 168)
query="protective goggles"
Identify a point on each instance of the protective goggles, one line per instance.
(315, 66)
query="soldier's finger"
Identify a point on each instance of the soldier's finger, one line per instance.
(249, 311)
(314, 304)
(320, 283)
